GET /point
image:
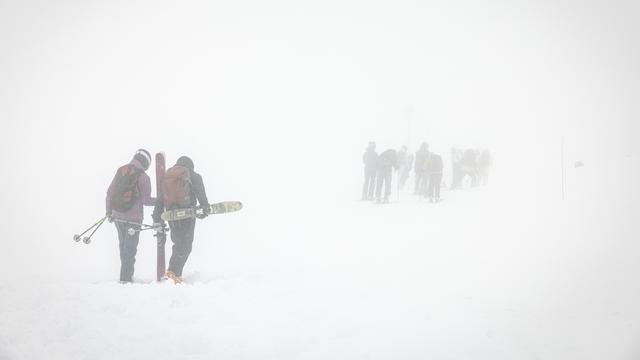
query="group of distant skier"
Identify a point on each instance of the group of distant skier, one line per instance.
(427, 166)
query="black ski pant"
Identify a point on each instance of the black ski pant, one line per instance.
(422, 179)
(383, 179)
(434, 185)
(182, 237)
(369, 183)
(128, 249)
(426, 180)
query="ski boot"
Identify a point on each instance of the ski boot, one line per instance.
(176, 279)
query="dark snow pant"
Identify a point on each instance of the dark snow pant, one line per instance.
(128, 249)
(434, 185)
(369, 183)
(182, 237)
(422, 178)
(426, 180)
(383, 178)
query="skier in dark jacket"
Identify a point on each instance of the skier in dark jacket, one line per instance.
(468, 166)
(182, 231)
(131, 218)
(435, 177)
(387, 161)
(369, 159)
(420, 168)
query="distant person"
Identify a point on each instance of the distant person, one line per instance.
(469, 167)
(484, 166)
(182, 187)
(426, 178)
(435, 177)
(420, 169)
(128, 192)
(370, 161)
(405, 161)
(387, 161)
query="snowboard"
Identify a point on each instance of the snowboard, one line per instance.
(161, 236)
(187, 213)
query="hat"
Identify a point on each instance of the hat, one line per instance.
(186, 162)
(143, 157)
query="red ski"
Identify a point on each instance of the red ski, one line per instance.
(161, 235)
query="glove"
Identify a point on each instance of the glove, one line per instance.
(109, 216)
(204, 213)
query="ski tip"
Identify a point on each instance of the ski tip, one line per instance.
(226, 207)
(238, 205)
(231, 205)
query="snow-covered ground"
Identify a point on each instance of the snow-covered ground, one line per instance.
(538, 278)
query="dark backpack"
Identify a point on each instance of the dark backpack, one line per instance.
(124, 188)
(176, 187)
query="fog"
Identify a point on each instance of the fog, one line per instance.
(276, 101)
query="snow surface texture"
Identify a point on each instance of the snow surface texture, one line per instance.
(406, 280)
(275, 102)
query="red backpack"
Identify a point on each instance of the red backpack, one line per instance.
(176, 187)
(124, 188)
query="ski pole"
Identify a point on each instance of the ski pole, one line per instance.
(77, 237)
(133, 223)
(87, 239)
(132, 231)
